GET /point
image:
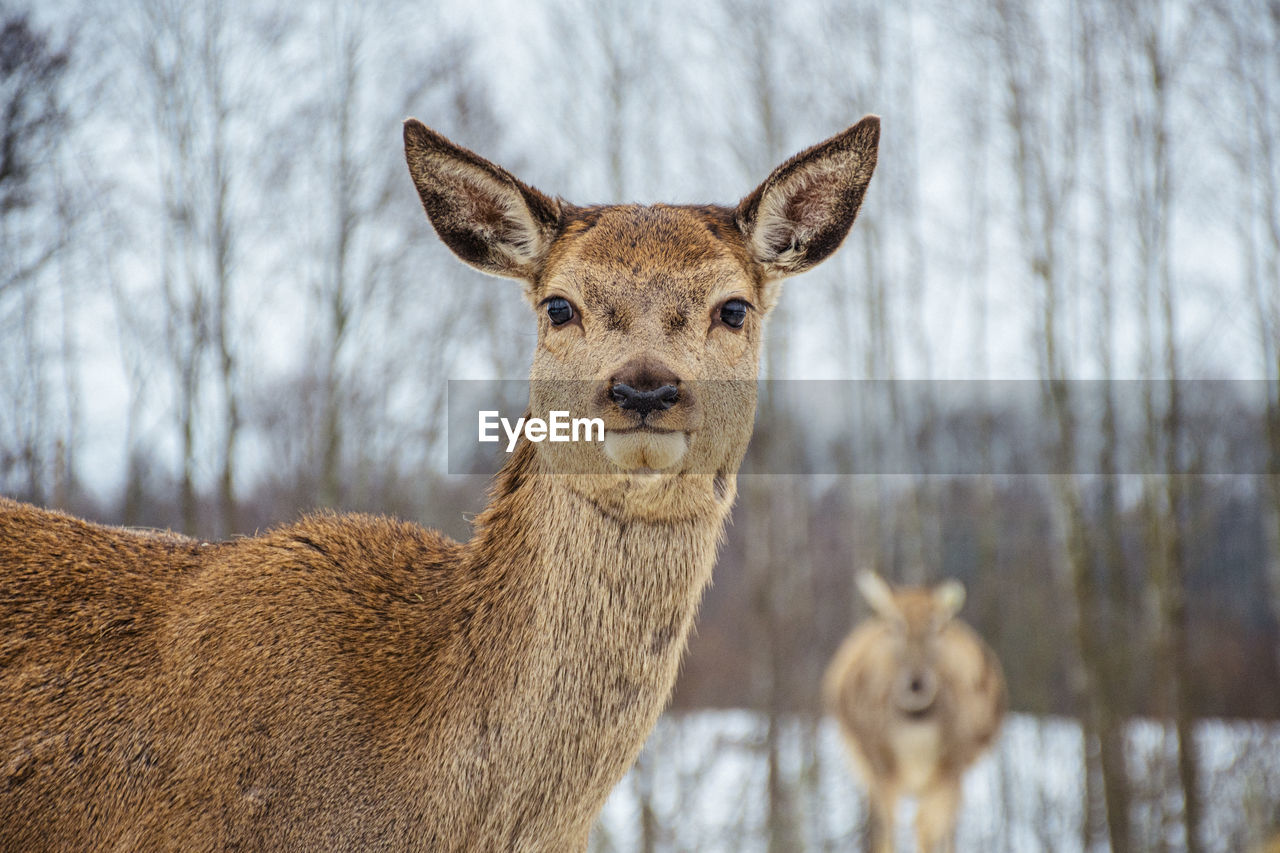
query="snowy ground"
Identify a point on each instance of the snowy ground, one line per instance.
(706, 778)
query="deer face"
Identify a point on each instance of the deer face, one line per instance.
(649, 317)
(665, 317)
(917, 618)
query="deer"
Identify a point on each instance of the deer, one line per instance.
(919, 697)
(352, 682)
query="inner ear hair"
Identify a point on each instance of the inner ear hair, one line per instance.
(878, 593)
(803, 211)
(949, 596)
(483, 213)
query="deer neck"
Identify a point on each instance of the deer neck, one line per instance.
(587, 602)
(600, 567)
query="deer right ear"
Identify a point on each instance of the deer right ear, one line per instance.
(481, 211)
(878, 594)
(949, 598)
(804, 210)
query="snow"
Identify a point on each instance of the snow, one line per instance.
(706, 775)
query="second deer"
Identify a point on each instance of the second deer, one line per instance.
(919, 697)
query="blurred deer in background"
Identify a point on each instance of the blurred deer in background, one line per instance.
(919, 697)
(353, 682)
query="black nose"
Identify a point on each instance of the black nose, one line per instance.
(644, 402)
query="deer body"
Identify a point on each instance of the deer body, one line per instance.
(919, 697)
(354, 682)
(445, 635)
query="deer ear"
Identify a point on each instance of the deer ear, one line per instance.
(802, 212)
(483, 213)
(878, 594)
(949, 596)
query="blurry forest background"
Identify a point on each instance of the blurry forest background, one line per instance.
(221, 305)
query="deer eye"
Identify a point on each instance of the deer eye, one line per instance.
(559, 310)
(734, 313)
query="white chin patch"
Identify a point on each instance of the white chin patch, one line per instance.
(654, 451)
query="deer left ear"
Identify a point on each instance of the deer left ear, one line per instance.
(804, 210)
(878, 594)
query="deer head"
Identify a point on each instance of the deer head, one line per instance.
(649, 317)
(916, 617)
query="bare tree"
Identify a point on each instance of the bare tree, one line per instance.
(221, 237)
(1112, 609)
(348, 425)
(1046, 169)
(778, 503)
(341, 290)
(32, 69)
(1250, 136)
(36, 223)
(1160, 48)
(180, 52)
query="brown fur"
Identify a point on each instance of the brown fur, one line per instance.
(919, 697)
(351, 682)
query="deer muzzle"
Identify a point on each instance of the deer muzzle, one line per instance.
(915, 691)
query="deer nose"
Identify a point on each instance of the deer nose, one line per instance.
(644, 402)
